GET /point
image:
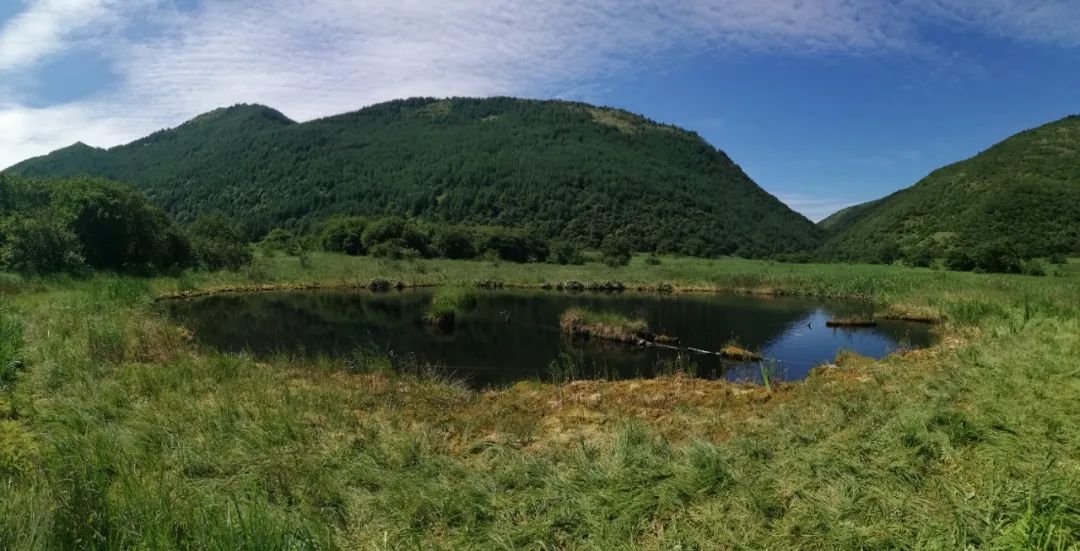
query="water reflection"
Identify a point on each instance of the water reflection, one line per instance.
(510, 335)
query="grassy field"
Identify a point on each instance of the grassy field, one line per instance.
(117, 432)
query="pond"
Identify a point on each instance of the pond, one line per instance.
(509, 336)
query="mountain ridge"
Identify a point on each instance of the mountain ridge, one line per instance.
(1023, 192)
(567, 170)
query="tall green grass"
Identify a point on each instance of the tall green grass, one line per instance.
(11, 345)
(120, 433)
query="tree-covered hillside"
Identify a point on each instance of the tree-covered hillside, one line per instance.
(569, 171)
(1020, 195)
(841, 219)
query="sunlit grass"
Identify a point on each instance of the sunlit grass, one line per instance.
(120, 432)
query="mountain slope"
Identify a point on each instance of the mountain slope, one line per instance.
(566, 170)
(841, 219)
(1024, 191)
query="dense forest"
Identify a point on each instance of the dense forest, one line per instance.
(80, 225)
(564, 171)
(1018, 200)
(84, 224)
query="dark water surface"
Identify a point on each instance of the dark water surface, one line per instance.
(514, 335)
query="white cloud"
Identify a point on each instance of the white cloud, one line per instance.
(1042, 21)
(312, 58)
(46, 26)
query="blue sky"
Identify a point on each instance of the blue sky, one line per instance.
(825, 103)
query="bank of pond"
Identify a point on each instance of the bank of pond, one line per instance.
(491, 338)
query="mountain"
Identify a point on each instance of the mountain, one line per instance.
(566, 170)
(841, 219)
(1023, 192)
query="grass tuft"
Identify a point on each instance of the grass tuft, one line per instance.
(611, 326)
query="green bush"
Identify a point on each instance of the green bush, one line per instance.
(40, 244)
(616, 251)
(118, 228)
(66, 225)
(392, 233)
(219, 243)
(997, 257)
(919, 257)
(453, 242)
(279, 240)
(565, 253)
(514, 246)
(1032, 267)
(958, 260)
(344, 235)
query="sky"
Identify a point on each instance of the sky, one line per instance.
(824, 103)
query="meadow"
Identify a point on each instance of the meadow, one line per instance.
(116, 431)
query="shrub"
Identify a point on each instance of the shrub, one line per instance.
(452, 242)
(997, 257)
(219, 243)
(616, 251)
(565, 253)
(1032, 267)
(958, 260)
(919, 257)
(398, 233)
(514, 246)
(40, 244)
(117, 226)
(278, 240)
(652, 260)
(344, 235)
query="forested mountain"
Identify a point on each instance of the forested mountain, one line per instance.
(564, 170)
(841, 219)
(1022, 194)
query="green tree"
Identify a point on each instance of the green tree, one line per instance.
(219, 243)
(279, 239)
(117, 226)
(564, 252)
(40, 243)
(453, 242)
(344, 234)
(616, 251)
(959, 260)
(997, 257)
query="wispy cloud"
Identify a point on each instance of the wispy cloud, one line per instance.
(48, 26)
(1041, 21)
(815, 208)
(312, 58)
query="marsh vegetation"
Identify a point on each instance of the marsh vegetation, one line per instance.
(118, 430)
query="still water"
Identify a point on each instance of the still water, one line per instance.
(510, 336)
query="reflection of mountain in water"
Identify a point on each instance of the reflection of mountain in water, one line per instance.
(487, 348)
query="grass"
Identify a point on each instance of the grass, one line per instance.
(447, 303)
(119, 432)
(11, 344)
(611, 326)
(856, 320)
(739, 354)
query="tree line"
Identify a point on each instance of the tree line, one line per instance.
(84, 224)
(81, 224)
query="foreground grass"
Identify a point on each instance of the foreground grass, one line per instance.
(117, 432)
